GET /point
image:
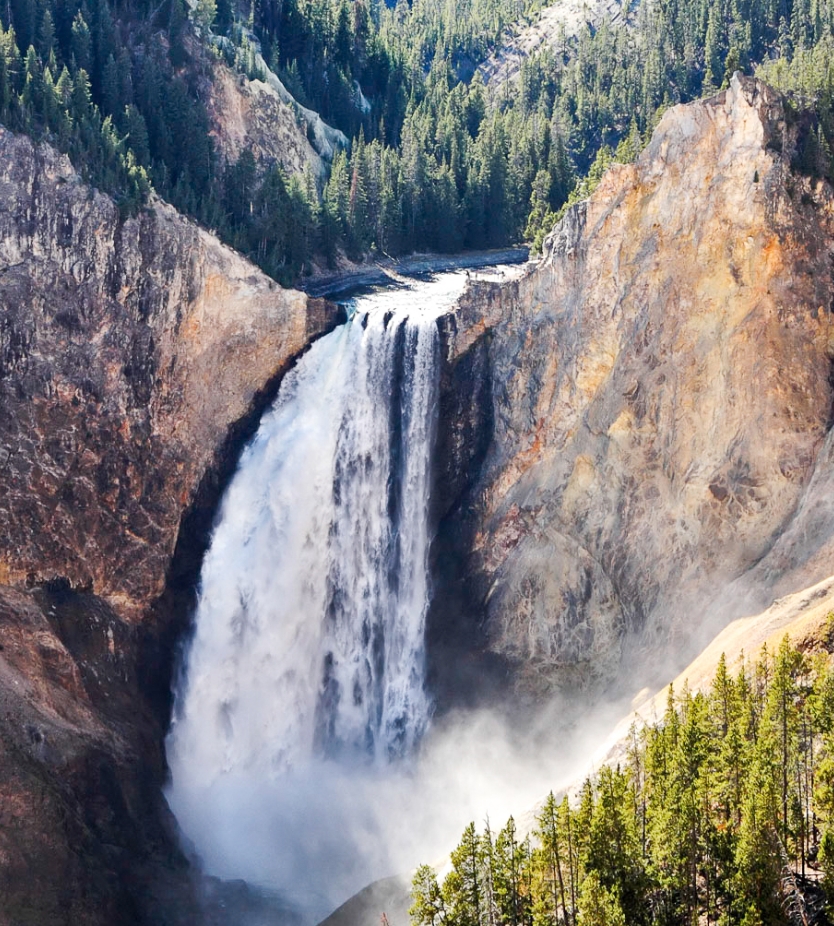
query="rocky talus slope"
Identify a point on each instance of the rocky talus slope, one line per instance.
(250, 114)
(655, 440)
(134, 354)
(550, 29)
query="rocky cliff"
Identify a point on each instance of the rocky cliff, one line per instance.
(660, 395)
(549, 29)
(250, 114)
(634, 446)
(134, 353)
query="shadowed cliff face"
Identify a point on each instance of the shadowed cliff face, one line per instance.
(135, 357)
(660, 393)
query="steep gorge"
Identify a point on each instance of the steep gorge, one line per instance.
(634, 447)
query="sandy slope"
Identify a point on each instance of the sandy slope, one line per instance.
(807, 617)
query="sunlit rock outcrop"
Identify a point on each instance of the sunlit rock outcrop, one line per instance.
(661, 392)
(250, 115)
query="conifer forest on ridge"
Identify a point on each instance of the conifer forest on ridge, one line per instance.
(438, 160)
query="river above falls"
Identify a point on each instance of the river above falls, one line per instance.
(386, 271)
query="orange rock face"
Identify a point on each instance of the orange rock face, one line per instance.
(127, 350)
(661, 397)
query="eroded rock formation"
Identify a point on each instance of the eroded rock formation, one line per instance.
(634, 444)
(130, 351)
(127, 349)
(250, 114)
(661, 393)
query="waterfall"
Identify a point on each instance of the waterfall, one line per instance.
(307, 660)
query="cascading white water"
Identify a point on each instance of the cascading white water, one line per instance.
(308, 654)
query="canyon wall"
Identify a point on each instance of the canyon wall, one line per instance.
(634, 447)
(134, 355)
(660, 398)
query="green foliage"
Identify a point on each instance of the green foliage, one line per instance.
(723, 805)
(100, 83)
(599, 906)
(115, 88)
(438, 161)
(427, 908)
(205, 14)
(463, 891)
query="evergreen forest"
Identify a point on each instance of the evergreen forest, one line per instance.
(438, 160)
(720, 812)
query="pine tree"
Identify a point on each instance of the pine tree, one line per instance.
(510, 867)
(599, 906)
(554, 866)
(205, 14)
(427, 908)
(759, 851)
(463, 887)
(32, 96)
(613, 848)
(81, 44)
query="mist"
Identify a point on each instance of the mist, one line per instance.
(298, 754)
(320, 832)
